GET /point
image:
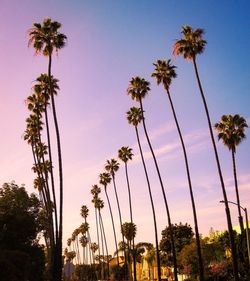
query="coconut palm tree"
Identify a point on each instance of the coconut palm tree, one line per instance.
(105, 179)
(46, 39)
(138, 89)
(231, 131)
(164, 73)
(191, 45)
(125, 154)
(134, 117)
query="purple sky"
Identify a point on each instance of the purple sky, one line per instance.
(108, 43)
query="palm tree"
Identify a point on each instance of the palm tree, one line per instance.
(105, 179)
(138, 89)
(46, 39)
(84, 214)
(84, 242)
(164, 73)
(125, 154)
(129, 232)
(191, 45)
(99, 206)
(94, 247)
(134, 117)
(231, 130)
(95, 191)
(42, 91)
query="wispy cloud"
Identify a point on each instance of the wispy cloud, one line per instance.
(195, 141)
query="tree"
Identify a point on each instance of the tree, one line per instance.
(183, 234)
(128, 230)
(104, 180)
(21, 255)
(112, 166)
(138, 90)
(84, 214)
(164, 73)
(231, 131)
(191, 45)
(125, 154)
(134, 117)
(46, 39)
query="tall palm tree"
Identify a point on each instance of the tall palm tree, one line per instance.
(42, 90)
(105, 179)
(129, 232)
(134, 117)
(125, 154)
(84, 214)
(46, 39)
(84, 242)
(138, 89)
(191, 45)
(100, 205)
(164, 73)
(95, 191)
(231, 131)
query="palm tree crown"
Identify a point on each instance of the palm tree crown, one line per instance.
(138, 88)
(164, 73)
(45, 37)
(95, 190)
(134, 116)
(231, 130)
(84, 211)
(105, 178)
(191, 44)
(125, 153)
(112, 166)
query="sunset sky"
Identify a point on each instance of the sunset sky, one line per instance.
(108, 43)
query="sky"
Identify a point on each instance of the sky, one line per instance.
(109, 42)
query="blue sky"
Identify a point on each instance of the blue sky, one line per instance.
(109, 42)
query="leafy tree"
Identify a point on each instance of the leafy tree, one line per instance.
(164, 73)
(21, 255)
(183, 234)
(189, 46)
(231, 131)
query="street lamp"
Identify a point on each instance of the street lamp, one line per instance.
(247, 227)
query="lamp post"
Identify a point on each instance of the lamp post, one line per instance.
(247, 227)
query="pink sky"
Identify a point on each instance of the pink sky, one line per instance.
(107, 45)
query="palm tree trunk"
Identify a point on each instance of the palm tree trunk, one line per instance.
(106, 245)
(58, 260)
(113, 224)
(227, 210)
(101, 238)
(51, 172)
(197, 236)
(119, 211)
(164, 196)
(152, 206)
(99, 245)
(237, 192)
(131, 219)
